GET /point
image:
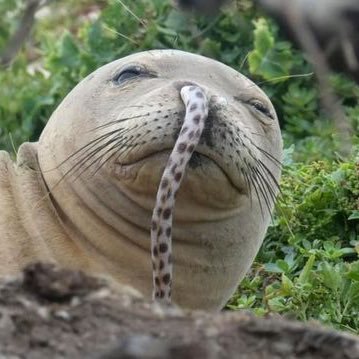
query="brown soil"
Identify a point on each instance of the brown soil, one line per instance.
(53, 313)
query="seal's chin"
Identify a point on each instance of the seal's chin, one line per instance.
(205, 181)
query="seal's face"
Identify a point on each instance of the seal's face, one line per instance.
(114, 133)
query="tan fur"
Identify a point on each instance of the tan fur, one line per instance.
(100, 222)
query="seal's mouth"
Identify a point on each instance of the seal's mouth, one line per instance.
(201, 159)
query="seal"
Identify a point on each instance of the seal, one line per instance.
(83, 195)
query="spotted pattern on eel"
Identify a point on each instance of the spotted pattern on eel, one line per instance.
(196, 104)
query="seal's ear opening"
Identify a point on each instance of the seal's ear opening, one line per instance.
(207, 7)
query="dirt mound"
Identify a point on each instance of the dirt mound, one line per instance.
(55, 313)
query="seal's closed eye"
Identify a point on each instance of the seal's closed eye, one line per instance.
(131, 72)
(261, 107)
(126, 74)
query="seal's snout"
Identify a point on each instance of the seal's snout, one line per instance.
(218, 101)
(216, 111)
(180, 84)
(212, 99)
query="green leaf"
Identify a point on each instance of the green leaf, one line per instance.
(330, 276)
(287, 285)
(288, 155)
(305, 273)
(272, 267)
(353, 272)
(283, 265)
(69, 51)
(354, 215)
(269, 59)
(177, 21)
(263, 39)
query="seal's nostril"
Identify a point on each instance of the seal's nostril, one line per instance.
(180, 84)
(219, 100)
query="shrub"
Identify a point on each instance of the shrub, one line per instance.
(308, 266)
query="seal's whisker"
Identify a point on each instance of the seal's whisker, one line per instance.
(269, 172)
(128, 131)
(262, 193)
(114, 144)
(261, 164)
(106, 160)
(128, 147)
(80, 153)
(134, 150)
(276, 198)
(257, 161)
(88, 156)
(73, 155)
(137, 147)
(125, 150)
(252, 179)
(118, 144)
(268, 185)
(263, 186)
(113, 151)
(95, 147)
(268, 155)
(247, 181)
(275, 194)
(73, 168)
(117, 121)
(271, 182)
(253, 133)
(87, 152)
(120, 120)
(257, 134)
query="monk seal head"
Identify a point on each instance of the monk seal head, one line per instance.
(103, 152)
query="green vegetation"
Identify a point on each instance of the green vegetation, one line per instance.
(308, 266)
